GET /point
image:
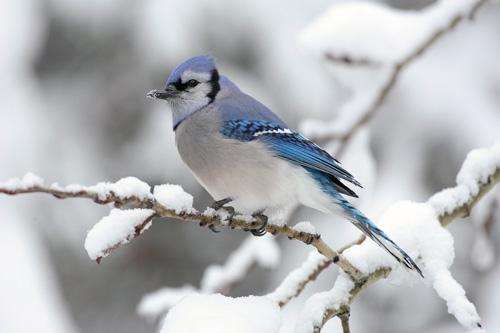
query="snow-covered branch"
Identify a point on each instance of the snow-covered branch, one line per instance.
(297, 279)
(326, 35)
(372, 46)
(362, 263)
(166, 201)
(423, 236)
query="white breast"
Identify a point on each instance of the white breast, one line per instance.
(244, 171)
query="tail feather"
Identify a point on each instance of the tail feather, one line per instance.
(334, 188)
(377, 235)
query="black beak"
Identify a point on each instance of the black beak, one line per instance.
(169, 92)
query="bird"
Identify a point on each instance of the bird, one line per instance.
(244, 154)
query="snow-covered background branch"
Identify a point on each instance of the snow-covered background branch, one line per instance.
(410, 87)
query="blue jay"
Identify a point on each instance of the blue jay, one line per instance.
(243, 153)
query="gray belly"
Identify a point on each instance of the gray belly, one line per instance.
(243, 171)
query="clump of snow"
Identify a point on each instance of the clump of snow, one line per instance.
(417, 230)
(288, 288)
(262, 250)
(220, 314)
(29, 180)
(131, 186)
(477, 167)
(210, 212)
(159, 302)
(454, 294)
(378, 34)
(173, 197)
(305, 226)
(124, 188)
(312, 314)
(119, 227)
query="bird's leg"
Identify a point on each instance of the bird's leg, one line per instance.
(219, 205)
(263, 219)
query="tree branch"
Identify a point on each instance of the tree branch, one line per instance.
(297, 279)
(465, 209)
(359, 286)
(109, 196)
(397, 68)
(375, 105)
(444, 218)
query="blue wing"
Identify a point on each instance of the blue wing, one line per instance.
(291, 146)
(325, 170)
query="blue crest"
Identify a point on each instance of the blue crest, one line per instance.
(200, 64)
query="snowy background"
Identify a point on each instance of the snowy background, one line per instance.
(72, 109)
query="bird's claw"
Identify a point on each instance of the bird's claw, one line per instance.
(262, 230)
(219, 205)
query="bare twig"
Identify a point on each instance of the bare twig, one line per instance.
(344, 320)
(346, 60)
(358, 241)
(491, 218)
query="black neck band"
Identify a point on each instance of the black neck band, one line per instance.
(214, 82)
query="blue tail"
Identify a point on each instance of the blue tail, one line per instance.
(363, 223)
(378, 236)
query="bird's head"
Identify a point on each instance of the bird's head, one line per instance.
(191, 86)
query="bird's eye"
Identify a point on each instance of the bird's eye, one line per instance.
(192, 83)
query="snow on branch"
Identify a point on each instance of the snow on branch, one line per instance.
(479, 174)
(118, 228)
(297, 279)
(327, 35)
(380, 37)
(133, 192)
(424, 237)
(362, 263)
(129, 190)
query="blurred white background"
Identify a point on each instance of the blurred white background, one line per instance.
(72, 109)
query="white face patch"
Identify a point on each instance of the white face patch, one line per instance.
(276, 131)
(190, 75)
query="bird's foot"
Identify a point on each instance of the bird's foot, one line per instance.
(263, 219)
(308, 239)
(219, 205)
